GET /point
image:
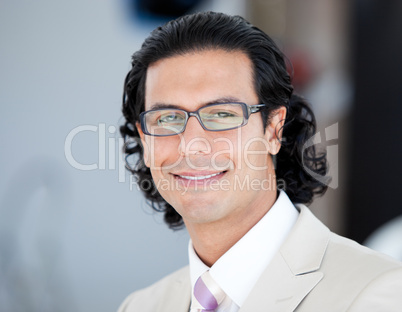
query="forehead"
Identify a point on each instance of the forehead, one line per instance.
(192, 79)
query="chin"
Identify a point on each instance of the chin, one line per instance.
(198, 213)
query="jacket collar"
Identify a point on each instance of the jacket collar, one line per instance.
(177, 294)
(293, 272)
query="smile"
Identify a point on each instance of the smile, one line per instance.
(199, 177)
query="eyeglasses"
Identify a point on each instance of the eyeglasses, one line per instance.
(213, 117)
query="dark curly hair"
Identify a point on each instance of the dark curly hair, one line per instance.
(210, 30)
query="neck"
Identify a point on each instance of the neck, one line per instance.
(212, 240)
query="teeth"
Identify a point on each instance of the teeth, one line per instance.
(199, 177)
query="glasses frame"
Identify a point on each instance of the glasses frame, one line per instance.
(247, 111)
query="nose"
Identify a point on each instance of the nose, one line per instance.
(194, 139)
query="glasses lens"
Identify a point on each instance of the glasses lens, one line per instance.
(222, 116)
(165, 121)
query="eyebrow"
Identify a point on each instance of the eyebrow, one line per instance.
(228, 99)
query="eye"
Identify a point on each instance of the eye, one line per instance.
(220, 114)
(223, 114)
(169, 118)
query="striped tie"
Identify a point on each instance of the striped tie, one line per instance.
(207, 294)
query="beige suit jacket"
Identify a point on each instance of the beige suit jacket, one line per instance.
(314, 271)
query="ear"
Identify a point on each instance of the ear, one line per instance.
(145, 146)
(273, 131)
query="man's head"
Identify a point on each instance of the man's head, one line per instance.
(203, 59)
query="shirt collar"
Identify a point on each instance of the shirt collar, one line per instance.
(249, 257)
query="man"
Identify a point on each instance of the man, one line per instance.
(210, 113)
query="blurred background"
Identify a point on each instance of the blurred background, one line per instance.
(75, 232)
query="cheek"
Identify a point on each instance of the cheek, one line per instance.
(223, 150)
(239, 149)
(160, 151)
(253, 149)
(146, 151)
(256, 153)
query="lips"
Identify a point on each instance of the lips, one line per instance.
(199, 177)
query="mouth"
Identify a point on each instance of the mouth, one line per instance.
(200, 177)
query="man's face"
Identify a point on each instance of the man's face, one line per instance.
(209, 176)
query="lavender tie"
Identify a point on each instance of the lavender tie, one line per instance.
(207, 294)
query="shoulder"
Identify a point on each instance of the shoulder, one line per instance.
(355, 251)
(151, 298)
(382, 293)
(354, 276)
(372, 281)
(362, 277)
(347, 257)
(340, 254)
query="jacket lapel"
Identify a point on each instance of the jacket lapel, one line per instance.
(177, 297)
(293, 272)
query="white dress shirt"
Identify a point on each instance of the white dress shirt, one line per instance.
(238, 270)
